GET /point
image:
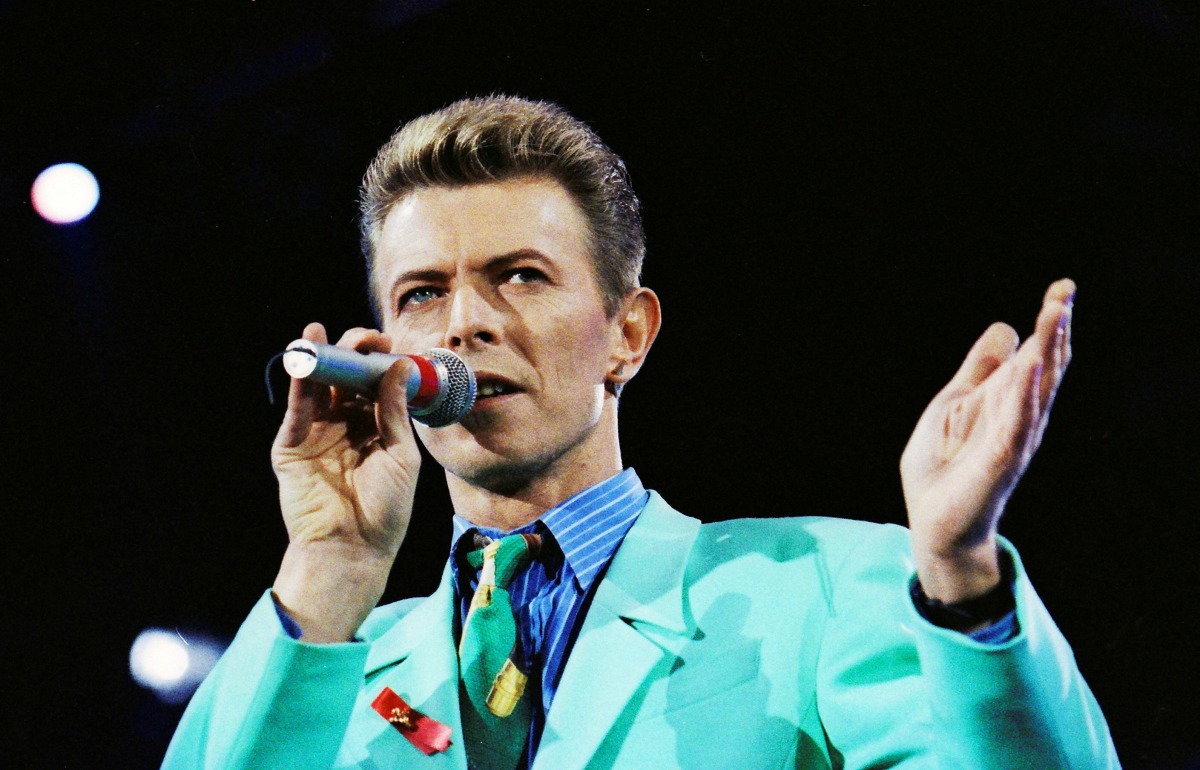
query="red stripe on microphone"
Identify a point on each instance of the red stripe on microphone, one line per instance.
(429, 383)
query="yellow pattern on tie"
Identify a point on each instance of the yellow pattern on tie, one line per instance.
(495, 714)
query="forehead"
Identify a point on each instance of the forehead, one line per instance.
(434, 225)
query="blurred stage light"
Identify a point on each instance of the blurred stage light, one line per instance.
(65, 193)
(158, 659)
(171, 665)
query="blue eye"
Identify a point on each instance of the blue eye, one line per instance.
(418, 296)
(526, 275)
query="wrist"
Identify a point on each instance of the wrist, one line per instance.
(330, 588)
(967, 616)
(954, 576)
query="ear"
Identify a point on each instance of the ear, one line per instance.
(635, 328)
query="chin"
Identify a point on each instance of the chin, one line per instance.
(501, 469)
(462, 454)
(504, 476)
(489, 454)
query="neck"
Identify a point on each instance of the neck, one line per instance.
(523, 500)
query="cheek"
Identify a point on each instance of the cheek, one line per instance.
(397, 334)
(583, 359)
(406, 339)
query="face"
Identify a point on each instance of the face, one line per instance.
(500, 273)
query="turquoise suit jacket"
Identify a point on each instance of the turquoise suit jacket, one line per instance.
(754, 643)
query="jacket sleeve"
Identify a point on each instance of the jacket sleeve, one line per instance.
(271, 702)
(896, 691)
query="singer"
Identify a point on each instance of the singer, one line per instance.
(617, 632)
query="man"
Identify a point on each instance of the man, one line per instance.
(506, 231)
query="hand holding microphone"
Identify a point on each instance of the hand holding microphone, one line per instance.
(348, 468)
(440, 389)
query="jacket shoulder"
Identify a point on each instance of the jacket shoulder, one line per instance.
(831, 539)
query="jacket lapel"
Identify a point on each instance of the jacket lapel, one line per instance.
(639, 599)
(417, 658)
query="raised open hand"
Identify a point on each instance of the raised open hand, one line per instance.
(973, 443)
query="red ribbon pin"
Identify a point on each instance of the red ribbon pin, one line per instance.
(428, 735)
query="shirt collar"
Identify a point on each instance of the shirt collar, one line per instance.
(587, 526)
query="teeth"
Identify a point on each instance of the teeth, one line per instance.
(491, 389)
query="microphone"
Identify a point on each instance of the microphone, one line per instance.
(439, 392)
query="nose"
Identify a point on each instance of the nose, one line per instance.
(474, 320)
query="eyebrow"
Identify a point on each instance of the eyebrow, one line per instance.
(504, 260)
(500, 261)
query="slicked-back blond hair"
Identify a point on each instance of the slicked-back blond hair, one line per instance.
(498, 138)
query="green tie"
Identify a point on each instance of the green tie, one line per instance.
(495, 717)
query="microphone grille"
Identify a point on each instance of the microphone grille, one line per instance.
(457, 386)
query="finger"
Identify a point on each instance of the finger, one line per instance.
(1061, 291)
(1057, 357)
(364, 341)
(391, 407)
(1061, 355)
(1050, 341)
(1065, 342)
(1053, 317)
(315, 332)
(993, 348)
(1019, 410)
(307, 400)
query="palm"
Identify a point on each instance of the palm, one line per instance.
(976, 438)
(333, 489)
(346, 473)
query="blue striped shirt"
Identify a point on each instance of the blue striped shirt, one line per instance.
(579, 538)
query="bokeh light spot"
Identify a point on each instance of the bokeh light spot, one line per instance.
(65, 193)
(158, 659)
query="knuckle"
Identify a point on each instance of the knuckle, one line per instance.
(351, 336)
(363, 339)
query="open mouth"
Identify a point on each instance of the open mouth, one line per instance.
(490, 387)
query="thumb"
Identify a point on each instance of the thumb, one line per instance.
(994, 347)
(391, 404)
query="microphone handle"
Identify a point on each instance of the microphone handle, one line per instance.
(345, 368)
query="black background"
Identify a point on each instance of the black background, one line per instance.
(839, 198)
